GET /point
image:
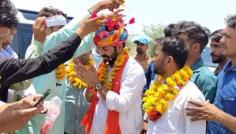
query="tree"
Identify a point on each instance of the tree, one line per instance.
(154, 32)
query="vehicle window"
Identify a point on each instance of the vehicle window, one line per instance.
(206, 56)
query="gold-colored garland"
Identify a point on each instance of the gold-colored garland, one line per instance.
(73, 79)
(61, 72)
(157, 97)
(103, 69)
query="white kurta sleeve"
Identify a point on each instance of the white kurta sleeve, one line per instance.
(133, 81)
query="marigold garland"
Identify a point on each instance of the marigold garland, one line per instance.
(157, 97)
(73, 79)
(61, 72)
(103, 69)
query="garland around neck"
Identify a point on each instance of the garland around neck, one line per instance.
(73, 79)
(158, 96)
(104, 71)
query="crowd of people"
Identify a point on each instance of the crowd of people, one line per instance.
(101, 89)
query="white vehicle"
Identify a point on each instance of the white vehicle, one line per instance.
(206, 56)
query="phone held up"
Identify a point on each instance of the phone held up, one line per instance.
(44, 95)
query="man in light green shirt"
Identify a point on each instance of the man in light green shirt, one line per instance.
(204, 79)
(196, 38)
(49, 80)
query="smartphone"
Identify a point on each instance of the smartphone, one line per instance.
(45, 94)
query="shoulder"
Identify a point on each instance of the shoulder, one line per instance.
(132, 64)
(192, 91)
(204, 75)
(132, 67)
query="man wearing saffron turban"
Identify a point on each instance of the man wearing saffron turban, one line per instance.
(115, 90)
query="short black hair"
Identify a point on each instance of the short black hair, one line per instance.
(217, 35)
(231, 21)
(50, 11)
(175, 47)
(8, 14)
(171, 30)
(195, 32)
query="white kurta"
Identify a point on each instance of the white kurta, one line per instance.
(174, 120)
(127, 103)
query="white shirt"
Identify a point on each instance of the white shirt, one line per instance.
(127, 103)
(174, 120)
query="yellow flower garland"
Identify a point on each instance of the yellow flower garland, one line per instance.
(157, 97)
(60, 72)
(75, 81)
(103, 69)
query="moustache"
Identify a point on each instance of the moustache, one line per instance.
(105, 56)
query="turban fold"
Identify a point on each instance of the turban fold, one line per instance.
(112, 32)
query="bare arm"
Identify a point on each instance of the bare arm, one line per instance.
(227, 120)
(207, 111)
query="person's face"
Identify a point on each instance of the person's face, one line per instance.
(108, 53)
(6, 36)
(159, 62)
(141, 48)
(229, 41)
(217, 52)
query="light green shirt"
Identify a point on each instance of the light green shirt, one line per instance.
(204, 79)
(49, 81)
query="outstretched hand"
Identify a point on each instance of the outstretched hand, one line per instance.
(202, 111)
(106, 4)
(88, 25)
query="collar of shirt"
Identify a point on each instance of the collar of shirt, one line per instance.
(197, 65)
(8, 53)
(228, 67)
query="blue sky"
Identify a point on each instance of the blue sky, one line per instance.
(209, 13)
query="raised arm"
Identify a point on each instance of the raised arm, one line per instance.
(15, 70)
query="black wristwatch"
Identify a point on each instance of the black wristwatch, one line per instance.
(98, 86)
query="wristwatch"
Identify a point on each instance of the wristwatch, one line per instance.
(98, 86)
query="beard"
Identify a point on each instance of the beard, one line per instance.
(110, 60)
(139, 51)
(157, 69)
(218, 59)
(159, 66)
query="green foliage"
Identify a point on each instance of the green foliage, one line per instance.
(131, 46)
(154, 32)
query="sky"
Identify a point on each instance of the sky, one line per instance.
(208, 13)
